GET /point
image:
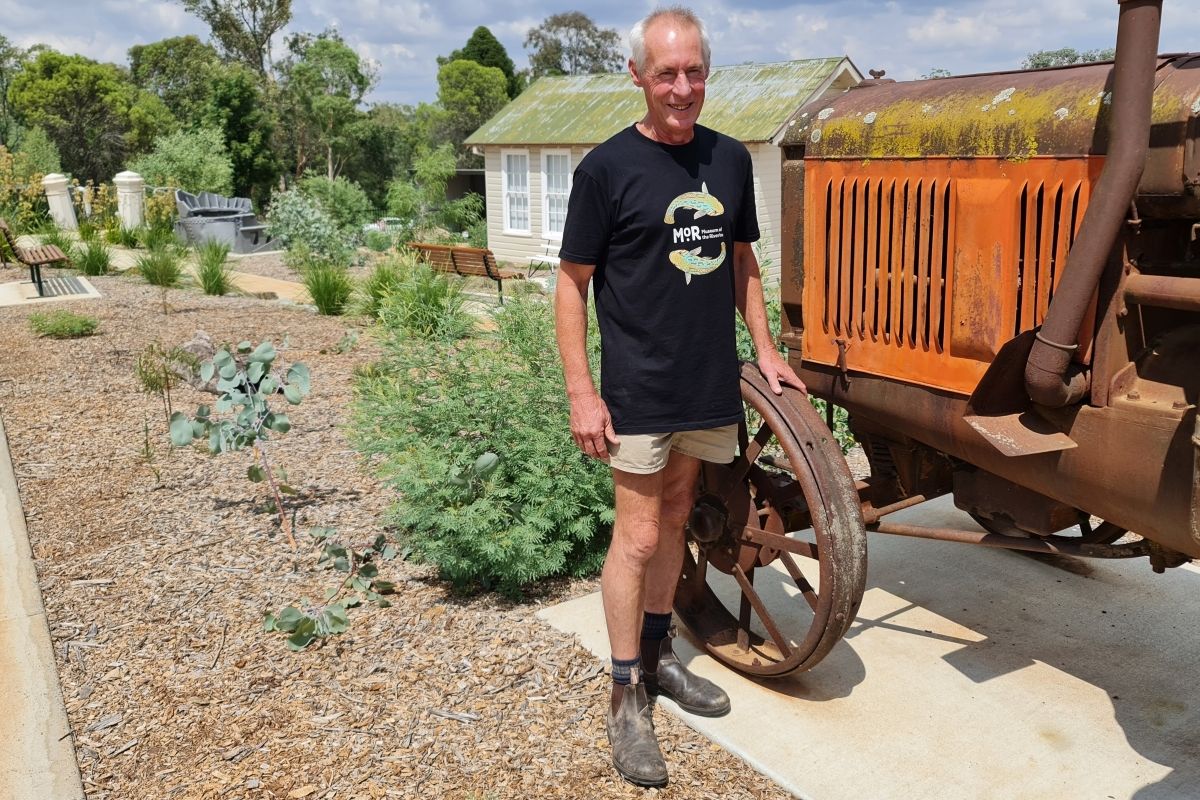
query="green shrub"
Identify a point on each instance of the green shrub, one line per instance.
(426, 305)
(125, 237)
(156, 237)
(88, 232)
(474, 435)
(93, 258)
(295, 219)
(160, 268)
(380, 282)
(194, 160)
(477, 234)
(63, 325)
(36, 154)
(379, 241)
(342, 199)
(459, 215)
(330, 287)
(212, 268)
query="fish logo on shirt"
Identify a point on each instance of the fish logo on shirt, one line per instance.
(692, 263)
(701, 203)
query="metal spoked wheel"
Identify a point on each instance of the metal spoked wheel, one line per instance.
(777, 552)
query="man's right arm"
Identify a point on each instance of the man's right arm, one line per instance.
(591, 426)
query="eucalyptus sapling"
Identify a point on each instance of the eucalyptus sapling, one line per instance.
(246, 380)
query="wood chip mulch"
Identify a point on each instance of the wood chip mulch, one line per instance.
(155, 587)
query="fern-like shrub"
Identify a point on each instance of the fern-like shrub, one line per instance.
(63, 325)
(473, 434)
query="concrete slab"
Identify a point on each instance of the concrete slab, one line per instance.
(37, 757)
(19, 293)
(973, 673)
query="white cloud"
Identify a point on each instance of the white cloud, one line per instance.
(943, 27)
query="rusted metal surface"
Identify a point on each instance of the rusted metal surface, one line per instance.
(983, 494)
(1051, 545)
(1049, 378)
(740, 526)
(924, 270)
(1163, 291)
(1133, 466)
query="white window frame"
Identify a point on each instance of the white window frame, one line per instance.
(526, 231)
(549, 234)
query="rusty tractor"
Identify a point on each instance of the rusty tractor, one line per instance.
(998, 277)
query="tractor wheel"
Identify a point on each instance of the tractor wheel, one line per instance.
(788, 498)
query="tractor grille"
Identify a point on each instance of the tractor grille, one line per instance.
(1050, 217)
(887, 252)
(921, 270)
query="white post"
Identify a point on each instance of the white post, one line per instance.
(131, 198)
(62, 210)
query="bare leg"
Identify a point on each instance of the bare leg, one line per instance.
(678, 496)
(634, 541)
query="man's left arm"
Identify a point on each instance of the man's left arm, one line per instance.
(751, 304)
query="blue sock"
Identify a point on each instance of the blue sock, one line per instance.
(621, 670)
(655, 626)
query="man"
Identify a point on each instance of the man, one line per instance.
(662, 217)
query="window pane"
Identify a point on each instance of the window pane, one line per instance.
(516, 190)
(558, 178)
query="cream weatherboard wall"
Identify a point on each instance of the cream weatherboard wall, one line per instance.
(538, 245)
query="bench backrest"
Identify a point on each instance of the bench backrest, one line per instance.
(9, 239)
(463, 260)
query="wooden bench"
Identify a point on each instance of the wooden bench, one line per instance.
(466, 261)
(33, 257)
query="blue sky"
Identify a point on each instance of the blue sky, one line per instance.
(404, 37)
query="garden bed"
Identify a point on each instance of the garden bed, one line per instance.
(156, 573)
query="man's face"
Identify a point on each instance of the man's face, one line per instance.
(672, 79)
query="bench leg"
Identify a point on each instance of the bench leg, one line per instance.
(35, 275)
(500, 290)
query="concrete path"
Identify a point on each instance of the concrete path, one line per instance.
(974, 673)
(37, 757)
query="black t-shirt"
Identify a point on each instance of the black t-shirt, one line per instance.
(659, 222)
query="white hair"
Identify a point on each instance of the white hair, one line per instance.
(637, 36)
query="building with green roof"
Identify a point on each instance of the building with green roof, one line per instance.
(532, 145)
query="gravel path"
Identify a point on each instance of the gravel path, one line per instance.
(157, 567)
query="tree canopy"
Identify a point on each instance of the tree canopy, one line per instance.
(180, 70)
(243, 28)
(324, 80)
(470, 93)
(91, 111)
(484, 48)
(571, 44)
(1065, 57)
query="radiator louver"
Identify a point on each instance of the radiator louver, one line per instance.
(887, 252)
(1050, 217)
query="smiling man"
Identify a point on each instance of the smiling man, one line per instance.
(661, 218)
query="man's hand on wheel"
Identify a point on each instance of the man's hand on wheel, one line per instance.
(778, 373)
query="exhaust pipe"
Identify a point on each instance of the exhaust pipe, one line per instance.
(1049, 376)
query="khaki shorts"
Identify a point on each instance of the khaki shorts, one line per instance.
(646, 453)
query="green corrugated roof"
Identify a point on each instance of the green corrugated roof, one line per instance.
(748, 102)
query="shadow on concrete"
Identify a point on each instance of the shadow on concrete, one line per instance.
(1112, 624)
